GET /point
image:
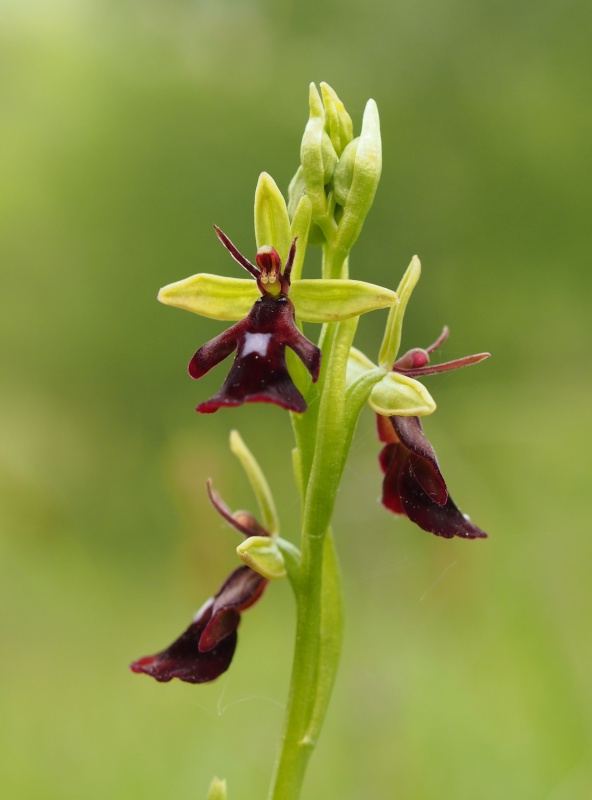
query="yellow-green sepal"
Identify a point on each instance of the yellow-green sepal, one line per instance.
(262, 554)
(217, 790)
(272, 224)
(333, 300)
(399, 395)
(212, 296)
(216, 297)
(392, 334)
(258, 482)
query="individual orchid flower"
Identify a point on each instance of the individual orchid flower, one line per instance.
(413, 483)
(267, 308)
(204, 651)
(259, 372)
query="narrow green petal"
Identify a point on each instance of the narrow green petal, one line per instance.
(401, 396)
(334, 300)
(258, 482)
(272, 224)
(392, 334)
(212, 296)
(262, 554)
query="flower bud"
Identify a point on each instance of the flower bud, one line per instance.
(338, 122)
(344, 172)
(296, 191)
(217, 790)
(311, 156)
(366, 175)
(329, 157)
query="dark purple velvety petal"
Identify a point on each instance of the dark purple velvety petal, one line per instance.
(392, 458)
(215, 351)
(220, 627)
(240, 590)
(255, 378)
(443, 520)
(423, 457)
(183, 659)
(307, 352)
(242, 521)
(386, 432)
(236, 254)
(259, 373)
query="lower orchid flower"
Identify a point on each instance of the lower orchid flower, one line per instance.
(204, 651)
(413, 484)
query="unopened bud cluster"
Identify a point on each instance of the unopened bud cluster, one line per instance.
(338, 173)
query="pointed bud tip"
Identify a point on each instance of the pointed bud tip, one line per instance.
(217, 790)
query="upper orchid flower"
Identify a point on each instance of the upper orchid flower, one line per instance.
(266, 314)
(204, 651)
(259, 372)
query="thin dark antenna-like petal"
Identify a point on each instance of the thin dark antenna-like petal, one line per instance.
(252, 529)
(433, 369)
(439, 341)
(236, 254)
(290, 261)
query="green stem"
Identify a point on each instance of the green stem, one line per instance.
(318, 594)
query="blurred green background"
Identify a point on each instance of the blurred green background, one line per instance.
(127, 128)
